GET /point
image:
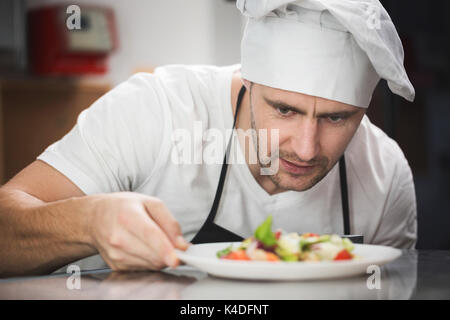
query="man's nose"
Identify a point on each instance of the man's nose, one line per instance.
(305, 142)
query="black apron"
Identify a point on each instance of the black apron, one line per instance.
(211, 232)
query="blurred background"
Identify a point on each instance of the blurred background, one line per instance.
(53, 65)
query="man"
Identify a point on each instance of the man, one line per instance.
(114, 185)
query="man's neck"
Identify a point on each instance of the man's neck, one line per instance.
(243, 122)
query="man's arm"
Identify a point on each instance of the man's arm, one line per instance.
(46, 222)
(40, 227)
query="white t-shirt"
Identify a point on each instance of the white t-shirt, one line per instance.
(124, 142)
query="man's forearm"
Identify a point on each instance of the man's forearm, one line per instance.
(38, 237)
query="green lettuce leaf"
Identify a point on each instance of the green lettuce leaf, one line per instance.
(264, 233)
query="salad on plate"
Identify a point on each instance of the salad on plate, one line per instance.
(266, 245)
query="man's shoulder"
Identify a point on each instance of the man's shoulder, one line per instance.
(375, 141)
(374, 157)
(185, 86)
(182, 87)
(177, 78)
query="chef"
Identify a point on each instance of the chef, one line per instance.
(113, 186)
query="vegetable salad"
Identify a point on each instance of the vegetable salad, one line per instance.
(266, 245)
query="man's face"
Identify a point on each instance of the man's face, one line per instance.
(313, 133)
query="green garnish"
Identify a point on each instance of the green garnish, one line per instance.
(264, 233)
(306, 243)
(224, 252)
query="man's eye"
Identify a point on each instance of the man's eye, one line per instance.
(335, 119)
(284, 111)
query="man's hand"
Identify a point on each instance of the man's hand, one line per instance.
(132, 231)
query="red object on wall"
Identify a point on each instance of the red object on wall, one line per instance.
(54, 49)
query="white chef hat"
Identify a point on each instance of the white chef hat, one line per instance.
(335, 49)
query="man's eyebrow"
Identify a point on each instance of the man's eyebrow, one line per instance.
(283, 105)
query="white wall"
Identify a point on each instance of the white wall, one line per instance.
(157, 32)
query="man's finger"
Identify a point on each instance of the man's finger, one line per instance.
(159, 246)
(162, 216)
(132, 244)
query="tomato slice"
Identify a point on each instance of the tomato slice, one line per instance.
(237, 255)
(277, 235)
(309, 234)
(343, 255)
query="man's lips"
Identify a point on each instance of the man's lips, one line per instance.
(296, 168)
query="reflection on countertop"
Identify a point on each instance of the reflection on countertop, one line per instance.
(400, 279)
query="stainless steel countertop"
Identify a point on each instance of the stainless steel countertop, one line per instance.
(417, 274)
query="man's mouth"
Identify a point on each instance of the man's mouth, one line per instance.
(295, 168)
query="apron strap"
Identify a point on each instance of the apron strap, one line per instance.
(344, 195)
(223, 172)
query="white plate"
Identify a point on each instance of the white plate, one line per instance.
(203, 256)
